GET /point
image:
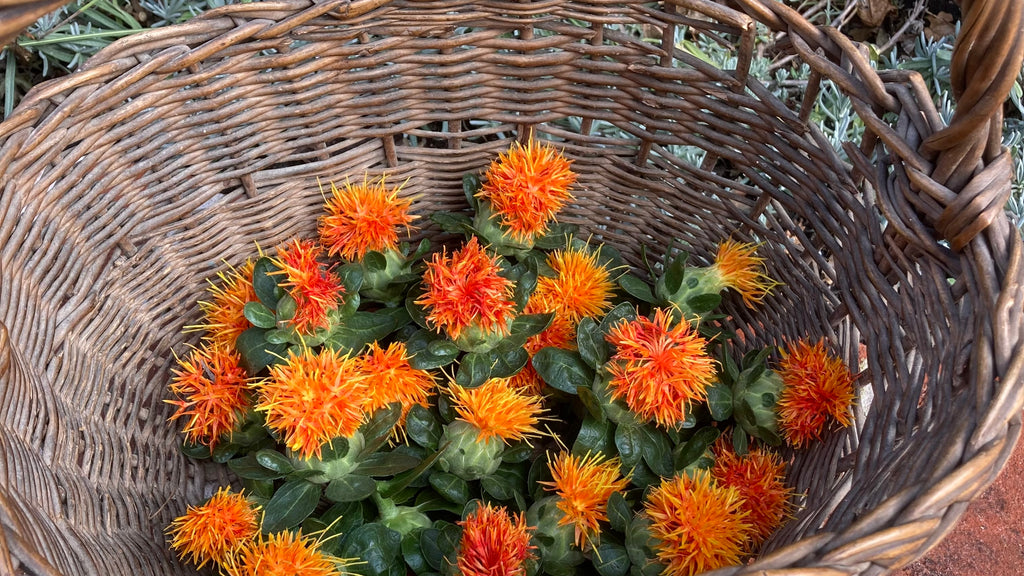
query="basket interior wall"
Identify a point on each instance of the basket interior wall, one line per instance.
(140, 191)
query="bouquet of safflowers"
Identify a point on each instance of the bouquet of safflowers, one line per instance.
(518, 402)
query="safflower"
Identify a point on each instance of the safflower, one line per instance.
(223, 315)
(497, 410)
(363, 217)
(494, 543)
(314, 288)
(760, 478)
(207, 533)
(817, 388)
(581, 287)
(584, 485)
(212, 393)
(282, 554)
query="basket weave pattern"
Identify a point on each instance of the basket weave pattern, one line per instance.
(129, 183)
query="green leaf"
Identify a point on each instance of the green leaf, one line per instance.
(507, 361)
(224, 451)
(259, 490)
(428, 350)
(286, 307)
(264, 282)
(526, 325)
(374, 261)
(249, 468)
(291, 504)
(562, 369)
(619, 512)
(439, 544)
(197, 451)
(703, 303)
(360, 329)
(591, 402)
(517, 453)
(423, 427)
(675, 272)
(259, 315)
(557, 236)
(470, 186)
(740, 441)
(278, 337)
(275, 461)
(451, 487)
(637, 288)
(624, 311)
(611, 558)
(640, 547)
(629, 441)
(378, 548)
(417, 312)
(591, 343)
(412, 553)
(720, 401)
(657, 450)
(503, 484)
(453, 223)
(378, 429)
(474, 370)
(256, 352)
(756, 357)
(390, 488)
(524, 287)
(595, 436)
(731, 373)
(350, 488)
(387, 464)
(351, 277)
(696, 446)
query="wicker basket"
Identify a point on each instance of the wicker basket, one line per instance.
(126, 185)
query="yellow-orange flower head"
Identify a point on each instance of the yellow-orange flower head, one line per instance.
(495, 409)
(282, 554)
(581, 288)
(209, 532)
(584, 485)
(526, 187)
(363, 217)
(743, 271)
(817, 388)
(315, 288)
(465, 289)
(212, 391)
(223, 314)
(494, 543)
(390, 378)
(658, 369)
(312, 398)
(561, 333)
(698, 524)
(760, 478)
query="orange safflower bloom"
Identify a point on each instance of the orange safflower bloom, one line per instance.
(312, 398)
(212, 391)
(390, 378)
(561, 333)
(494, 543)
(363, 217)
(465, 289)
(315, 288)
(698, 524)
(582, 287)
(659, 370)
(760, 477)
(223, 314)
(584, 485)
(743, 271)
(526, 187)
(816, 388)
(495, 409)
(209, 532)
(282, 554)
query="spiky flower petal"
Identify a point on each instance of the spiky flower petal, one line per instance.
(584, 485)
(495, 409)
(494, 543)
(363, 217)
(312, 398)
(581, 287)
(390, 378)
(698, 524)
(282, 554)
(760, 477)
(526, 187)
(223, 316)
(659, 369)
(209, 532)
(742, 270)
(315, 288)
(817, 388)
(465, 289)
(212, 393)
